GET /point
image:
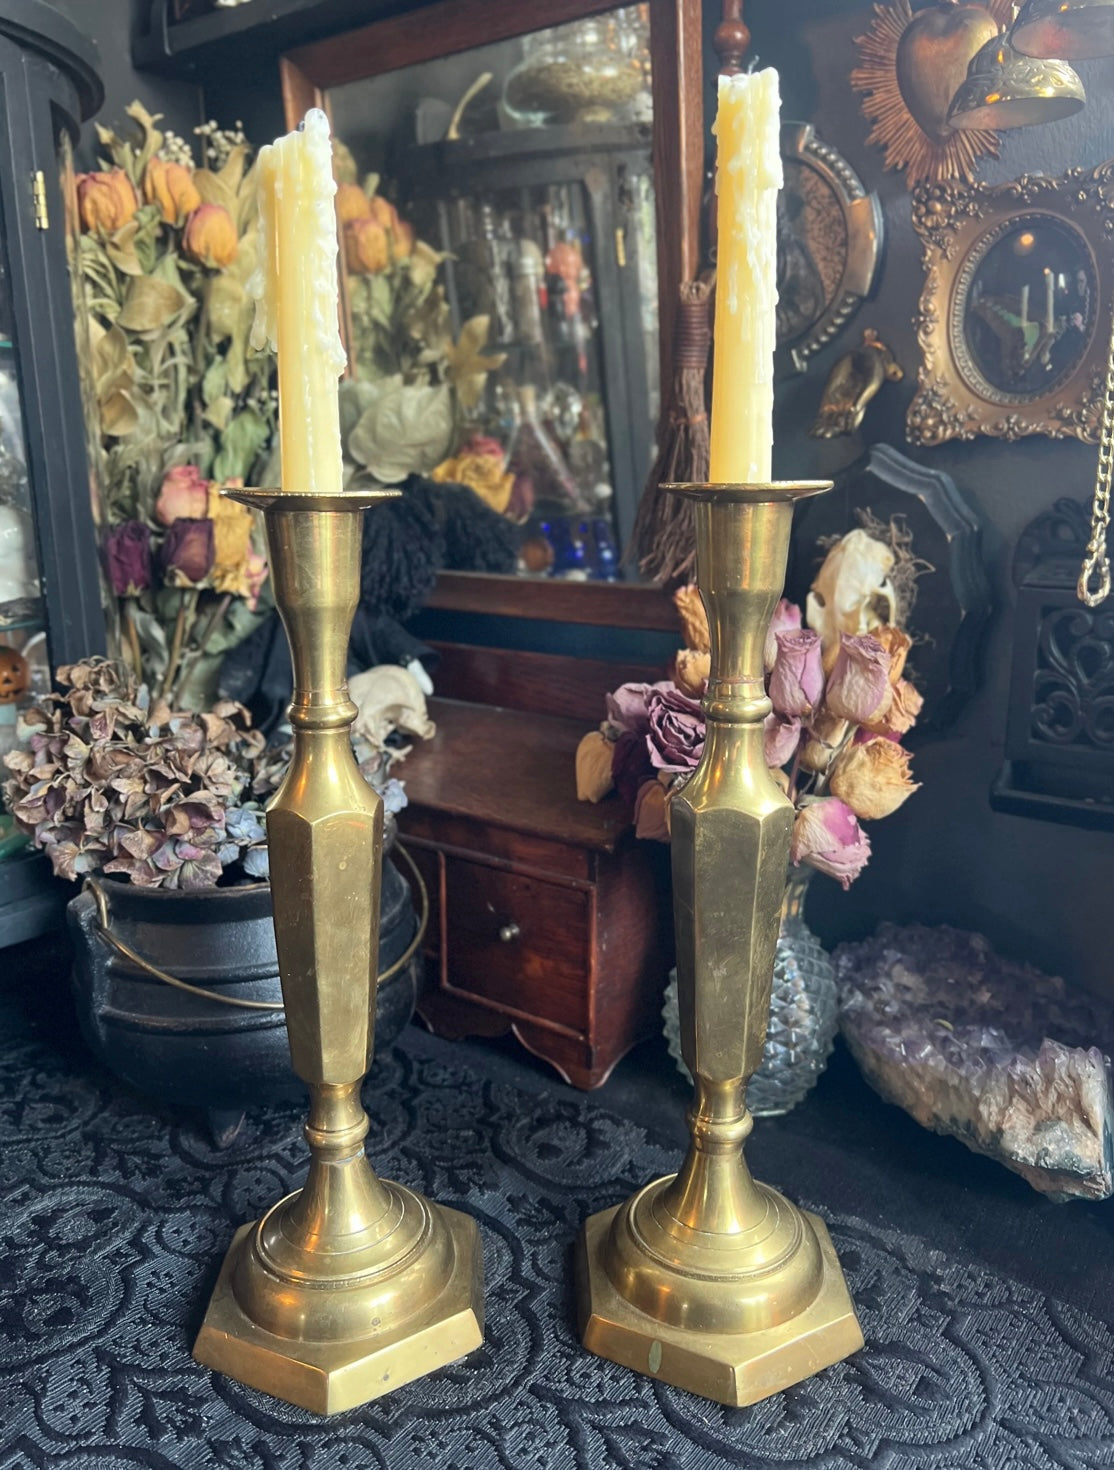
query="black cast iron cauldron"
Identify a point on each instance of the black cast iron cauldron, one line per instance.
(186, 1049)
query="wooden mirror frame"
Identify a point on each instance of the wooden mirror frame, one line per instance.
(452, 26)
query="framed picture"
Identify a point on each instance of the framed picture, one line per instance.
(1014, 319)
(829, 244)
(950, 606)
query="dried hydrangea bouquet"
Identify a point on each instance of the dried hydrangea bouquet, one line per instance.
(836, 677)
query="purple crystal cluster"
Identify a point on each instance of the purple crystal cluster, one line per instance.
(997, 1054)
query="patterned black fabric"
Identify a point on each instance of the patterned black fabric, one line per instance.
(115, 1216)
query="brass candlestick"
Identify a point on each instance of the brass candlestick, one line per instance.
(705, 1279)
(353, 1285)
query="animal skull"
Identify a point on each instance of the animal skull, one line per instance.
(852, 592)
(389, 698)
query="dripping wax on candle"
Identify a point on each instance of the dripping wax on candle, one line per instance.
(748, 177)
(297, 304)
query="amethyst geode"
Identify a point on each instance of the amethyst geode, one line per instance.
(997, 1054)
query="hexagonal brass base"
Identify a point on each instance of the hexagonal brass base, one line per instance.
(732, 1368)
(329, 1377)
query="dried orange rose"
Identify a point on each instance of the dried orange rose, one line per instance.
(171, 187)
(694, 618)
(383, 212)
(903, 711)
(365, 247)
(897, 644)
(352, 203)
(105, 201)
(402, 240)
(232, 528)
(593, 767)
(691, 670)
(482, 473)
(873, 779)
(210, 237)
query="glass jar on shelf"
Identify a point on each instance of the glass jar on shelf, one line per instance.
(585, 72)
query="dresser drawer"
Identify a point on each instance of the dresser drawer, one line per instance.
(519, 944)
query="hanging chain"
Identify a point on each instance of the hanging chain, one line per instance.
(1096, 563)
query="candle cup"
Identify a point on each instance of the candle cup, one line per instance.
(353, 1285)
(705, 1279)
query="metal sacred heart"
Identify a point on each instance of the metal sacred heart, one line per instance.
(933, 55)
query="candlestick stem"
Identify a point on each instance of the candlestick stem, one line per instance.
(352, 1285)
(705, 1279)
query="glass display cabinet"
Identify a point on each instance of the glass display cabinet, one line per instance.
(552, 178)
(539, 196)
(50, 593)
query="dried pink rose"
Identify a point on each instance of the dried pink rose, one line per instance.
(786, 619)
(183, 495)
(797, 677)
(827, 836)
(782, 738)
(256, 571)
(859, 689)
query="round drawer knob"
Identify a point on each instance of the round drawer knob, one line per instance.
(509, 933)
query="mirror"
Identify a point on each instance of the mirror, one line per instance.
(510, 254)
(1029, 311)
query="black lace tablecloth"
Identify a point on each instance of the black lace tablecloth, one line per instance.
(115, 1216)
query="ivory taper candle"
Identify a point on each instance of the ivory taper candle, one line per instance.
(297, 301)
(748, 177)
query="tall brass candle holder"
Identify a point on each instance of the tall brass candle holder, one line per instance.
(353, 1285)
(705, 1279)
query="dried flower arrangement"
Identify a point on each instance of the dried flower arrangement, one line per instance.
(415, 387)
(181, 404)
(841, 705)
(112, 779)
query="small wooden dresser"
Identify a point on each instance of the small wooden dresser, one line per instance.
(548, 917)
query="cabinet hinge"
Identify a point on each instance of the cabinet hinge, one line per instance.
(38, 194)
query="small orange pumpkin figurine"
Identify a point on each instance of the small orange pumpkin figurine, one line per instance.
(15, 675)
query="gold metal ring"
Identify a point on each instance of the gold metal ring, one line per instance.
(126, 951)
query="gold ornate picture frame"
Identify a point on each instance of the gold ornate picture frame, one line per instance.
(1014, 318)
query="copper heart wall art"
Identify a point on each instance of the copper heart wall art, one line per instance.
(911, 64)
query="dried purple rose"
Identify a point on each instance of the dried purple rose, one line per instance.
(627, 707)
(187, 553)
(675, 738)
(128, 560)
(630, 765)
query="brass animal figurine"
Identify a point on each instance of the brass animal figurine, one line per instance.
(852, 383)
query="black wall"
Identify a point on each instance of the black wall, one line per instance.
(1038, 890)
